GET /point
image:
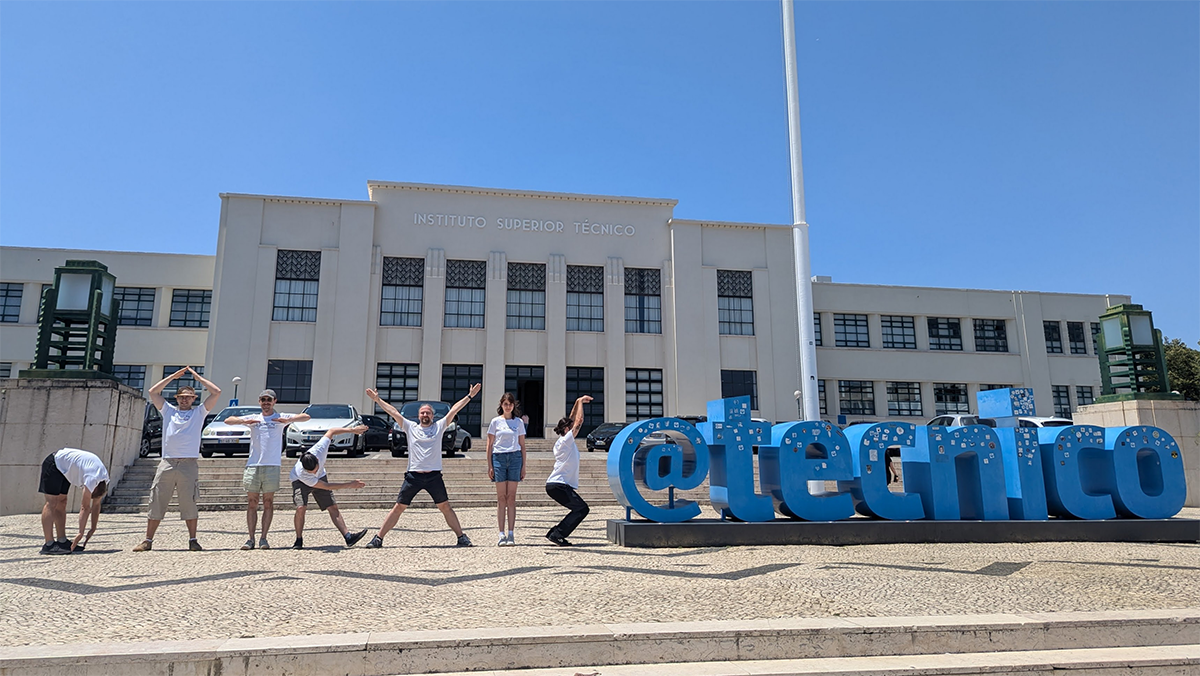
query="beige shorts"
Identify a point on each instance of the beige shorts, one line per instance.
(176, 474)
(261, 479)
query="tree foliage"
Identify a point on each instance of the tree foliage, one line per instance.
(1183, 368)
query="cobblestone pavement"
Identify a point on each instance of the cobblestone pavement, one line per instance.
(421, 581)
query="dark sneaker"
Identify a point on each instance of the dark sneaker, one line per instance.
(558, 539)
(194, 546)
(50, 548)
(353, 538)
(248, 544)
(463, 541)
(298, 544)
(144, 546)
(375, 543)
(263, 544)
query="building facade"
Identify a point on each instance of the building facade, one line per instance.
(423, 289)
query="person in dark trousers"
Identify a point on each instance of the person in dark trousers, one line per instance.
(563, 481)
(309, 478)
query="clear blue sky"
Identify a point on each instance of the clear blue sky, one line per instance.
(1008, 145)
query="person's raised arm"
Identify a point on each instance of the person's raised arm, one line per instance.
(388, 408)
(156, 389)
(214, 392)
(462, 403)
(577, 413)
(333, 432)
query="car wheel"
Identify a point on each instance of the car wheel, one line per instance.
(291, 453)
(395, 453)
(206, 454)
(228, 454)
(145, 448)
(466, 444)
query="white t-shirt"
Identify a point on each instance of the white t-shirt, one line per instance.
(181, 431)
(266, 440)
(81, 467)
(424, 445)
(566, 462)
(319, 449)
(507, 433)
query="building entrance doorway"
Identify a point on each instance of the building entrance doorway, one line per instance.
(528, 385)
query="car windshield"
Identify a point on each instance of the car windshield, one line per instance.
(318, 411)
(237, 411)
(412, 410)
(609, 428)
(1057, 423)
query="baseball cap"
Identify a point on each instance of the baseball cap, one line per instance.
(267, 393)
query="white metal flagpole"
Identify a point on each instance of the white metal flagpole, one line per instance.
(804, 304)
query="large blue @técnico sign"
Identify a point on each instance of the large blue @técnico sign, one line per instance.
(972, 472)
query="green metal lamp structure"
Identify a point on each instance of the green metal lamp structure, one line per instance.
(1132, 362)
(77, 324)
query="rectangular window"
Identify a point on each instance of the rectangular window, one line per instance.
(137, 306)
(817, 328)
(1053, 331)
(643, 300)
(856, 397)
(403, 296)
(291, 379)
(740, 384)
(987, 387)
(457, 380)
(945, 333)
(1075, 338)
(466, 294)
(173, 386)
(643, 394)
(735, 302)
(583, 380)
(950, 398)
(899, 332)
(904, 399)
(1084, 395)
(527, 296)
(10, 302)
(1062, 400)
(5, 369)
(396, 384)
(133, 376)
(821, 396)
(297, 274)
(991, 335)
(585, 298)
(1095, 338)
(189, 308)
(850, 331)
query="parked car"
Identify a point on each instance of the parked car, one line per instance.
(411, 411)
(302, 435)
(218, 437)
(378, 435)
(601, 437)
(462, 440)
(1035, 421)
(151, 432)
(959, 421)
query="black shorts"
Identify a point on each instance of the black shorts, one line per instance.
(415, 482)
(53, 481)
(301, 491)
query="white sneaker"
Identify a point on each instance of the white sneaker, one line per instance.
(503, 540)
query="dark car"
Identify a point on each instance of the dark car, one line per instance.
(151, 432)
(378, 435)
(601, 437)
(411, 411)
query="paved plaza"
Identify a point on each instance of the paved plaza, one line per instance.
(421, 581)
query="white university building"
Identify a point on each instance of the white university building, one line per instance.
(423, 289)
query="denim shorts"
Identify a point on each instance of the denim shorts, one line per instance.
(507, 466)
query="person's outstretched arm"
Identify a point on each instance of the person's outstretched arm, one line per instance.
(462, 403)
(388, 408)
(88, 506)
(214, 392)
(156, 389)
(577, 413)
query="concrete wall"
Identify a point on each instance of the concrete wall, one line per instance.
(41, 416)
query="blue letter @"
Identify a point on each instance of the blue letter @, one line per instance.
(657, 467)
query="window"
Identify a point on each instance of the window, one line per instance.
(1095, 338)
(740, 384)
(949, 398)
(457, 380)
(396, 384)
(992, 386)
(137, 306)
(1084, 395)
(291, 379)
(643, 394)
(580, 381)
(735, 303)
(1075, 338)
(297, 274)
(527, 296)
(585, 298)
(899, 332)
(643, 301)
(10, 302)
(991, 335)
(403, 297)
(821, 396)
(850, 331)
(133, 376)
(1053, 331)
(904, 399)
(5, 369)
(189, 308)
(817, 328)
(945, 333)
(856, 397)
(187, 379)
(466, 294)
(1062, 400)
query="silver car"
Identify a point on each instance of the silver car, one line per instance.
(218, 437)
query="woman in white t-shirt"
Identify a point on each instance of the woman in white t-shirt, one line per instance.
(506, 464)
(563, 481)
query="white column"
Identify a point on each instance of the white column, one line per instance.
(556, 342)
(432, 317)
(494, 323)
(614, 340)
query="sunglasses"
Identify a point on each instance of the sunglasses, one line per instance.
(265, 399)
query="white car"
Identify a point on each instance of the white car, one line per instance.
(218, 437)
(1034, 421)
(960, 420)
(302, 435)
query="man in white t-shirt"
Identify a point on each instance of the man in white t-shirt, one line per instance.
(61, 470)
(261, 477)
(563, 482)
(179, 469)
(309, 478)
(424, 464)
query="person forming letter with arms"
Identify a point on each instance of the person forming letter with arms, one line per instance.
(563, 482)
(309, 478)
(61, 470)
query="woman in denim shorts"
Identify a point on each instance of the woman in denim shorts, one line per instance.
(506, 464)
